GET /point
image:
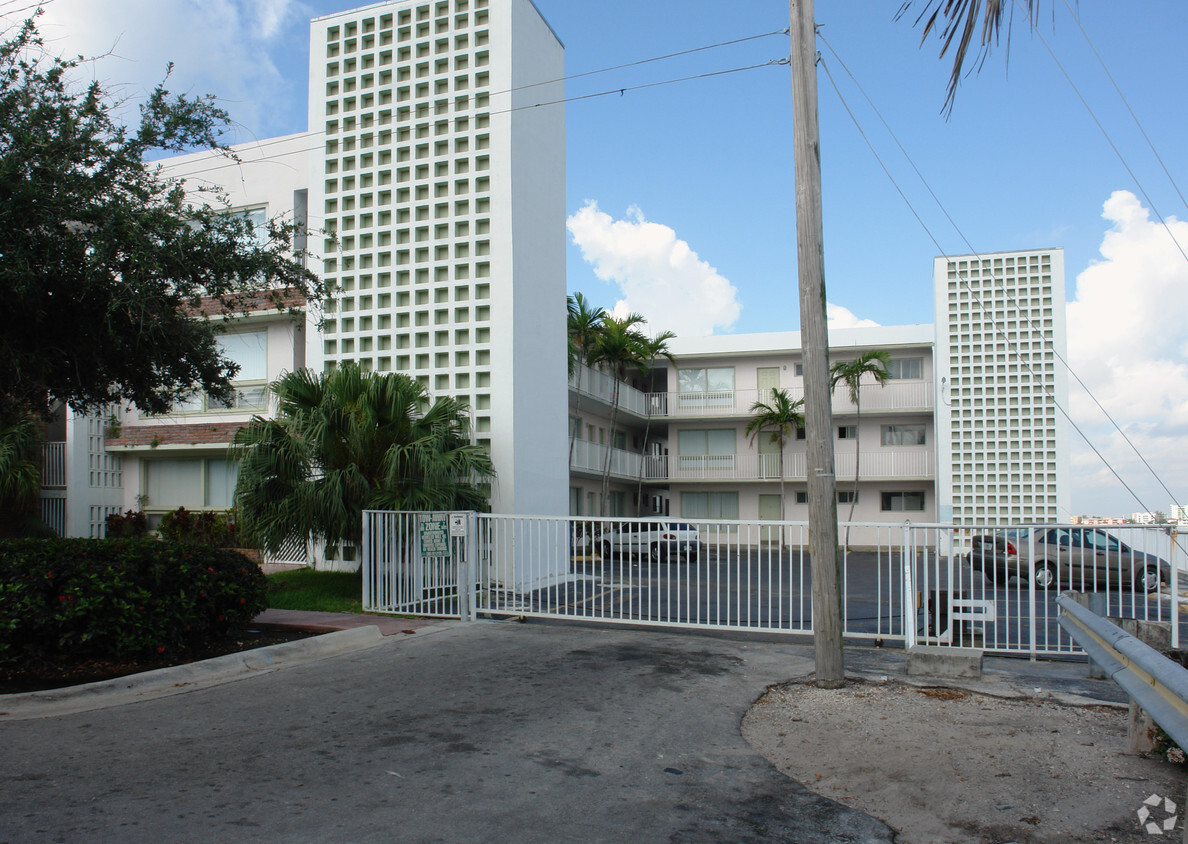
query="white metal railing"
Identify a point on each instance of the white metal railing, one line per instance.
(591, 457)
(53, 513)
(600, 385)
(900, 463)
(896, 395)
(908, 582)
(53, 464)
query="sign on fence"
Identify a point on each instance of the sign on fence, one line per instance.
(434, 534)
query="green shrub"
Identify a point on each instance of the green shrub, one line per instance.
(121, 597)
(126, 526)
(204, 526)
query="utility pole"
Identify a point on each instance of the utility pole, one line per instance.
(814, 341)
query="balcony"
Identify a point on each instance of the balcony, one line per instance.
(53, 465)
(905, 396)
(591, 457)
(601, 386)
(885, 464)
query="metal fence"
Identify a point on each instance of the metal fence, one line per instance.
(900, 582)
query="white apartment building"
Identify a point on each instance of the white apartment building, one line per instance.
(967, 430)
(420, 164)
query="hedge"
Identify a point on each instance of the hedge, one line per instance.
(121, 597)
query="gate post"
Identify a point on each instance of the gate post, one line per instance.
(907, 555)
(1175, 608)
(466, 590)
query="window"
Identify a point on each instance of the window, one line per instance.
(847, 432)
(575, 427)
(194, 483)
(619, 440)
(846, 496)
(903, 502)
(799, 369)
(900, 368)
(713, 449)
(575, 501)
(249, 349)
(709, 505)
(903, 435)
(616, 504)
(802, 498)
(801, 433)
(712, 387)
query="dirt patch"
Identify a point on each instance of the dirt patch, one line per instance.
(948, 765)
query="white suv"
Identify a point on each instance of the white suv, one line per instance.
(661, 541)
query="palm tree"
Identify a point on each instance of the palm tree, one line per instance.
(963, 16)
(583, 323)
(653, 349)
(348, 440)
(20, 478)
(851, 372)
(619, 348)
(778, 417)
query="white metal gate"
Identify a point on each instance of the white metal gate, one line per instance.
(900, 582)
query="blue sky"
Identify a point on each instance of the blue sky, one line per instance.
(697, 176)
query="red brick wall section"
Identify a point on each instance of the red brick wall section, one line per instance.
(207, 433)
(287, 298)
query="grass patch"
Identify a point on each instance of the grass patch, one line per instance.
(321, 591)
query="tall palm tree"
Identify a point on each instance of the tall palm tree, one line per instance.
(583, 322)
(963, 16)
(653, 349)
(618, 349)
(349, 440)
(778, 417)
(850, 373)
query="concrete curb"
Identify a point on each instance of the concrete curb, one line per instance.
(179, 679)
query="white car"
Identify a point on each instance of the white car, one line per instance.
(660, 541)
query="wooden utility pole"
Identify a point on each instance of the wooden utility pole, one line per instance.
(814, 342)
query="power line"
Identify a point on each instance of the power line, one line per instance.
(783, 31)
(1125, 102)
(1068, 367)
(986, 311)
(1110, 141)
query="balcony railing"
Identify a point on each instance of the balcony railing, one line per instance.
(898, 464)
(602, 386)
(897, 395)
(591, 457)
(53, 465)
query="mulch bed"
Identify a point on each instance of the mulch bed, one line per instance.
(40, 674)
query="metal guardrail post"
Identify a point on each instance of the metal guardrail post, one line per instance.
(1155, 683)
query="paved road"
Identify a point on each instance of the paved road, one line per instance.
(479, 732)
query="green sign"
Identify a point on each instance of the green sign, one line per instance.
(435, 535)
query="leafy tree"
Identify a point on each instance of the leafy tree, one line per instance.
(653, 349)
(777, 417)
(850, 373)
(349, 440)
(106, 262)
(619, 348)
(583, 322)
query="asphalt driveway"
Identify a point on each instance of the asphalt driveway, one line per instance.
(478, 732)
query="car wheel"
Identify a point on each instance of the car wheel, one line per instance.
(606, 550)
(1045, 576)
(655, 552)
(1150, 579)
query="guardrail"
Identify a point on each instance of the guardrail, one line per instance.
(1155, 683)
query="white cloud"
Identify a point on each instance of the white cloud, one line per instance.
(839, 317)
(1126, 341)
(220, 47)
(658, 274)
